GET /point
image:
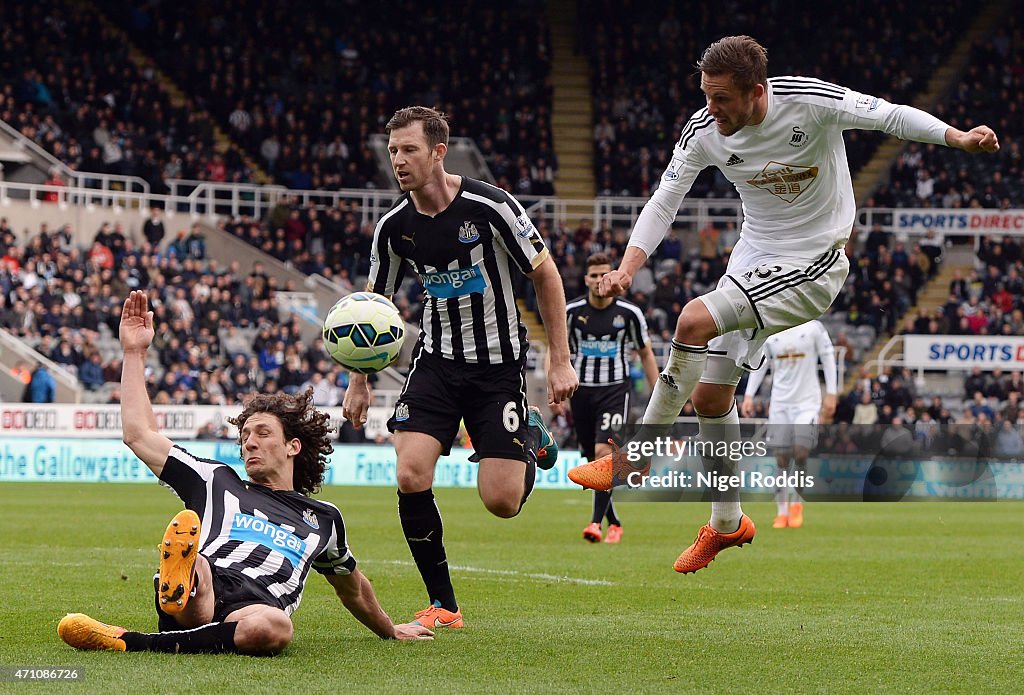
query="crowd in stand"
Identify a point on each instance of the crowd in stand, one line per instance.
(64, 300)
(986, 422)
(67, 83)
(990, 92)
(302, 86)
(642, 58)
(989, 301)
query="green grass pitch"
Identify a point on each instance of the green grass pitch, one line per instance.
(911, 597)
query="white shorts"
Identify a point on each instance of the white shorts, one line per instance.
(761, 294)
(793, 424)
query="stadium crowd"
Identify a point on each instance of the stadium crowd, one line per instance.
(302, 86)
(67, 82)
(991, 91)
(219, 333)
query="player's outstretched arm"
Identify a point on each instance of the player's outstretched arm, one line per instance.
(974, 141)
(357, 595)
(562, 378)
(138, 423)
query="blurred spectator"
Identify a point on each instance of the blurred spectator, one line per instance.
(42, 388)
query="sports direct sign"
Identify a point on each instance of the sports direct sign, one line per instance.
(921, 219)
(963, 352)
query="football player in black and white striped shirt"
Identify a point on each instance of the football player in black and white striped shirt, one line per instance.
(234, 563)
(469, 243)
(603, 333)
(780, 142)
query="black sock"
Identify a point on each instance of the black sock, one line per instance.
(164, 622)
(208, 639)
(601, 501)
(421, 524)
(613, 519)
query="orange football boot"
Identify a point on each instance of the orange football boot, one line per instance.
(710, 542)
(796, 515)
(611, 470)
(82, 632)
(592, 533)
(434, 617)
(178, 552)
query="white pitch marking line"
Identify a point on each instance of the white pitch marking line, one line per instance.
(535, 576)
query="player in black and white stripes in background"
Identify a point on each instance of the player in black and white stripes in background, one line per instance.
(235, 561)
(780, 142)
(603, 333)
(467, 241)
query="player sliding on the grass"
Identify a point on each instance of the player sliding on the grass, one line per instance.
(780, 142)
(234, 562)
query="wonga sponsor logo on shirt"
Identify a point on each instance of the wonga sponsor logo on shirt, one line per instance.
(599, 348)
(448, 284)
(252, 529)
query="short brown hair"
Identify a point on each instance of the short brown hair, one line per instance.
(599, 258)
(299, 420)
(740, 56)
(435, 123)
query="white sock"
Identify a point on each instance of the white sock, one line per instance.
(782, 500)
(676, 384)
(726, 511)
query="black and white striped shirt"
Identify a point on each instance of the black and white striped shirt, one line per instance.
(600, 339)
(467, 257)
(271, 536)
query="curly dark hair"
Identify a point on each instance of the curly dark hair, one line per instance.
(300, 420)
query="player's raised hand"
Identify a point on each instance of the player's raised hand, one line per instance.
(980, 139)
(614, 283)
(136, 329)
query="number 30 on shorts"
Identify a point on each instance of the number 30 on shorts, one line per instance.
(510, 417)
(611, 421)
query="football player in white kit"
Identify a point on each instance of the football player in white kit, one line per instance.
(780, 142)
(796, 405)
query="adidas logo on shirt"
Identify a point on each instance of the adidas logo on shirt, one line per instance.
(733, 159)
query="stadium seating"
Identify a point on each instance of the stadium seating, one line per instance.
(990, 92)
(69, 84)
(301, 86)
(219, 334)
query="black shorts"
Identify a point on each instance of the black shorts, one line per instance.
(599, 412)
(233, 590)
(489, 398)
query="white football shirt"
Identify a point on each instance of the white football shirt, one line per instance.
(790, 170)
(793, 357)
